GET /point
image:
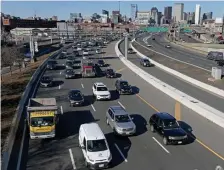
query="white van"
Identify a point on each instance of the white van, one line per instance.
(94, 146)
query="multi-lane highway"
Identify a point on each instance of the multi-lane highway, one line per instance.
(188, 38)
(145, 150)
(179, 53)
(198, 93)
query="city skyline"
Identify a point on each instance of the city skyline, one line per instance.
(29, 8)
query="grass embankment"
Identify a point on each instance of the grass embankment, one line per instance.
(12, 87)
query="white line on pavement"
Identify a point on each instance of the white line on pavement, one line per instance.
(60, 72)
(82, 85)
(160, 144)
(72, 159)
(93, 108)
(62, 110)
(120, 152)
(172, 57)
(121, 105)
(59, 86)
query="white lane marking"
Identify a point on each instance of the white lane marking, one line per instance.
(122, 155)
(82, 85)
(160, 144)
(62, 110)
(172, 57)
(59, 87)
(72, 158)
(60, 72)
(93, 107)
(121, 104)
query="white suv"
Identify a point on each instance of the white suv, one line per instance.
(100, 91)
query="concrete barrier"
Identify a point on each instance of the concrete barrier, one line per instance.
(199, 107)
(195, 82)
(18, 125)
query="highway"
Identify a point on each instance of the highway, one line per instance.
(179, 53)
(144, 150)
(198, 93)
(187, 39)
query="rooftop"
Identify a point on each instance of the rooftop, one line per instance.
(165, 115)
(93, 131)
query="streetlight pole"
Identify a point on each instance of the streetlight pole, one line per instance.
(126, 47)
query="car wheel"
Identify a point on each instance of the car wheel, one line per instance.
(107, 121)
(165, 141)
(152, 128)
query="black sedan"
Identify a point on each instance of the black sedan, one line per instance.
(46, 81)
(69, 73)
(110, 73)
(101, 63)
(51, 65)
(76, 98)
(145, 62)
(130, 51)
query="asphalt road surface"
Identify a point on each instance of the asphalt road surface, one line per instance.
(198, 93)
(143, 151)
(179, 53)
(188, 39)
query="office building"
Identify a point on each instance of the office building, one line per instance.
(75, 16)
(143, 17)
(191, 17)
(168, 13)
(104, 18)
(208, 15)
(197, 14)
(178, 10)
(154, 14)
(185, 16)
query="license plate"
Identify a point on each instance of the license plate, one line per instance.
(179, 142)
(101, 165)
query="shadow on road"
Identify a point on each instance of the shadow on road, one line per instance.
(118, 143)
(141, 124)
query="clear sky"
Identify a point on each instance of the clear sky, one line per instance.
(62, 9)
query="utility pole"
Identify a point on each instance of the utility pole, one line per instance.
(222, 25)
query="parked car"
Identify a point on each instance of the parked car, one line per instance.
(101, 63)
(69, 64)
(123, 87)
(167, 126)
(85, 52)
(120, 121)
(76, 98)
(145, 62)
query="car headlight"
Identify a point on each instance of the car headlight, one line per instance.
(91, 160)
(185, 136)
(170, 137)
(119, 129)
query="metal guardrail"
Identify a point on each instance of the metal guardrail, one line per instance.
(10, 150)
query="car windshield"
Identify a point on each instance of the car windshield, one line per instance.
(102, 89)
(101, 61)
(69, 71)
(122, 118)
(146, 61)
(170, 124)
(42, 121)
(110, 70)
(96, 145)
(75, 94)
(46, 78)
(124, 84)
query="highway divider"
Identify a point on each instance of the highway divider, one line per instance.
(190, 80)
(199, 107)
(10, 153)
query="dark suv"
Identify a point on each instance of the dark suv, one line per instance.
(122, 87)
(167, 126)
(145, 62)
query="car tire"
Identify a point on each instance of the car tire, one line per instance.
(165, 141)
(152, 128)
(107, 121)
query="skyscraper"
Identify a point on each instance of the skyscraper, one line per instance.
(154, 14)
(197, 14)
(208, 15)
(168, 12)
(178, 10)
